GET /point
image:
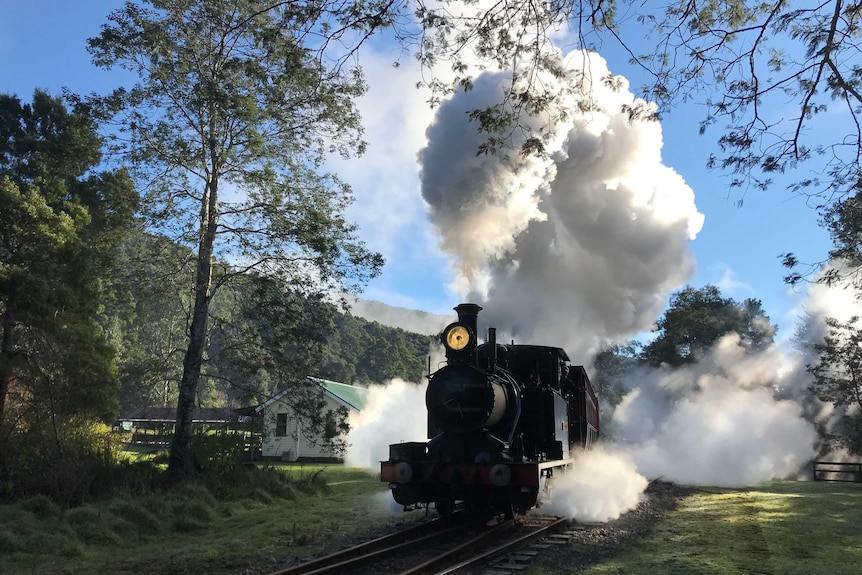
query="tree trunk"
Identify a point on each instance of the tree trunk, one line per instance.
(180, 461)
(6, 354)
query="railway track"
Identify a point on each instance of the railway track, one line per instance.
(444, 547)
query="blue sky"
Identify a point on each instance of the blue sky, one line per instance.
(42, 44)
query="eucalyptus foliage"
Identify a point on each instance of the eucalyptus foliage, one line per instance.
(697, 318)
(145, 318)
(838, 378)
(238, 105)
(264, 335)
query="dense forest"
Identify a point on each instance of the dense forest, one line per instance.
(263, 336)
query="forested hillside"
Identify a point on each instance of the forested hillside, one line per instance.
(264, 334)
(368, 352)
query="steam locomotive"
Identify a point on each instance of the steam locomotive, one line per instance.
(502, 420)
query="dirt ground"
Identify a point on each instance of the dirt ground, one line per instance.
(591, 545)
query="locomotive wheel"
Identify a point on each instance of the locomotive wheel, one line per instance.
(445, 507)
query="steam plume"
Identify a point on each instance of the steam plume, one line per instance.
(717, 422)
(393, 413)
(594, 234)
(601, 487)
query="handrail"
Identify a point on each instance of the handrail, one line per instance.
(837, 471)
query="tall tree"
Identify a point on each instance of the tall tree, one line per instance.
(239, 103)
(838, 377)
(612, 367)
(59, 224)
(843, 219)
(697, 318)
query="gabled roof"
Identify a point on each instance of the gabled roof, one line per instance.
(352, 397)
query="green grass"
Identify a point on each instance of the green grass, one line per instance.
(786, 528)
(191, 529)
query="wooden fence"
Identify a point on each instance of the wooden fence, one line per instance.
(836, 471)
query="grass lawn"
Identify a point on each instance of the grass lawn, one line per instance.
(781, 528)
(193, 531)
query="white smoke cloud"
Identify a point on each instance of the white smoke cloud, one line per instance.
(840, 302)
(601, 487)
(594, 234)
(393, 413)
(717, 422)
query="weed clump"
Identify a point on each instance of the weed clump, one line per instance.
(314, 484)
(41, 506)
(194, 491)
(262, 496)
(91, 525)
(192, 516)
(10, 541)
(62, 543)
(137, 514)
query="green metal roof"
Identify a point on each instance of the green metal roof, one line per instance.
(352, 394)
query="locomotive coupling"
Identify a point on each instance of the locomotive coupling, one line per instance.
(501, 475)
(403, 472)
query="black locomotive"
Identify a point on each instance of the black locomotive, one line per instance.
(502, 420)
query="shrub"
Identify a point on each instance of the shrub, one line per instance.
(41, 506)
(10, 541)
(91, 525)
(66, 464)
(216, 451)
(136, 514)
(314, 484)
(192, 516)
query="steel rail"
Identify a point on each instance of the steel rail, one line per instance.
(510, 546)
(431, 564)
(381, 546)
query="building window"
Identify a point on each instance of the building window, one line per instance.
(280, 424)
(330, 427)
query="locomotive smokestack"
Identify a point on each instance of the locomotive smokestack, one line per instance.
(467, 314)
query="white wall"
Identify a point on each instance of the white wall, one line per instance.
(297, 442)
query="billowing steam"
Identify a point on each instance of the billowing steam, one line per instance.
(838, 301)
(393, 413)
(717, 422)
(602, 486)
(584, 243)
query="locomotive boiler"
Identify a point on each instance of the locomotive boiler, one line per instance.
(502, 420)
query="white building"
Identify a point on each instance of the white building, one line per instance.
(283, 435)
